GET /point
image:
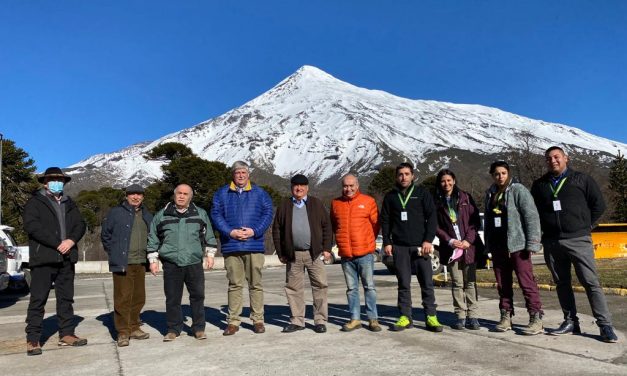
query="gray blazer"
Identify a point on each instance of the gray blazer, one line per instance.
(523, 221)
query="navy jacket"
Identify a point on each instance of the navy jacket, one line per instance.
(116, 234)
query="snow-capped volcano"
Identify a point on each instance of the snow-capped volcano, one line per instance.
(315, 124)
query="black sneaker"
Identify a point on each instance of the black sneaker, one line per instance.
(460, 324)
(291, 328)
(608, 335)
(320, 328)
(473, 324)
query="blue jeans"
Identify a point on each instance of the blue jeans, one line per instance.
(355, 268)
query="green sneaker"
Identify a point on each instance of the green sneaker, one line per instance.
(433, 324)
(402, 323)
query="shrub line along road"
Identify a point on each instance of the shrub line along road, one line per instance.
(360, 352)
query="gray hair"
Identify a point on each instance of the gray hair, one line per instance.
(239, 165)
(350, 174)
(190, 188)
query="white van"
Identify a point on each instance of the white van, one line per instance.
(16, 260)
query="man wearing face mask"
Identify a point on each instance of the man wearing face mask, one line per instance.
(54, 226)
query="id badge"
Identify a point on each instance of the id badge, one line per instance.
(557, 205)
(403, 216)
(497, 221)
(457, 233)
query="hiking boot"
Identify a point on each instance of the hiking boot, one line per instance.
(123, 340)
(433, 324)
(473, 324)
(460, 324)
(170, 336)
(72, 340)
(374, 326)
(200, 335)
(139, 334)
(351, 325)
(608, 335)
(402, 323)
(506, 322)
(535, 325)
(33, 348)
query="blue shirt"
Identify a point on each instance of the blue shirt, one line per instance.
(299, 203)
(555, 180)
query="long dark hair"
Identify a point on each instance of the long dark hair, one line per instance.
(438, 188)
(500, 190)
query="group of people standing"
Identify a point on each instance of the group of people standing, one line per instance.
(557, 214)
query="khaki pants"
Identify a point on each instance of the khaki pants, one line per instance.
(295, 288)
(129, 297)
(464, 278)
(242, 267)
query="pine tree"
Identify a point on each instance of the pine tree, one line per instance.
(18, 183)
(618, 184)
(382, 182)
(205, 177)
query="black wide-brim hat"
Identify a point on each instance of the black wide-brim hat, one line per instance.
(53, 172)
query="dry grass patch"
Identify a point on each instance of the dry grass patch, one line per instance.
(612, 273)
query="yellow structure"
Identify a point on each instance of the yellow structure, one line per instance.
(610, 240)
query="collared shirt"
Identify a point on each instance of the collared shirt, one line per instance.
(555, 180)
(183, 210)
(299, 203)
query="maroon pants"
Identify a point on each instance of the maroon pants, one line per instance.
(519, 262)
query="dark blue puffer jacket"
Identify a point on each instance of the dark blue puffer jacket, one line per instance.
(252, 207)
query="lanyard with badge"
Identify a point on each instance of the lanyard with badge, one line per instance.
(404, 203)
(453, 216)
(557, 205)
(497, 211)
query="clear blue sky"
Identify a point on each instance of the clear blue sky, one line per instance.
(84, 77)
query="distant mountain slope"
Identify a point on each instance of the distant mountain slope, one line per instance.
(315, 124)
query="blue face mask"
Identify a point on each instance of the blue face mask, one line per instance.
(55, 187)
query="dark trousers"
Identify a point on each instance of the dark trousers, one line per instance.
(129, 297)
(506, 263)
(193, 277)
(406, 260)
(559, 256)
(42, 277)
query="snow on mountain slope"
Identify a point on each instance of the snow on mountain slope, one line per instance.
(315, 124)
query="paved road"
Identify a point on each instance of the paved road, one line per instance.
(304, 353)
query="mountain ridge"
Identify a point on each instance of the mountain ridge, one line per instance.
(316, 124)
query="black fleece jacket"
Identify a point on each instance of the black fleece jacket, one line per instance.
(421, 222)
(581, 204)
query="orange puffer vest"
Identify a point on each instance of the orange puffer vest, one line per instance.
(355, 224)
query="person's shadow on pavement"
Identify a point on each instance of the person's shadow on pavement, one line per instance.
(50, 327)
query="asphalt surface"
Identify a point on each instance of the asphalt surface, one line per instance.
(413, 351)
